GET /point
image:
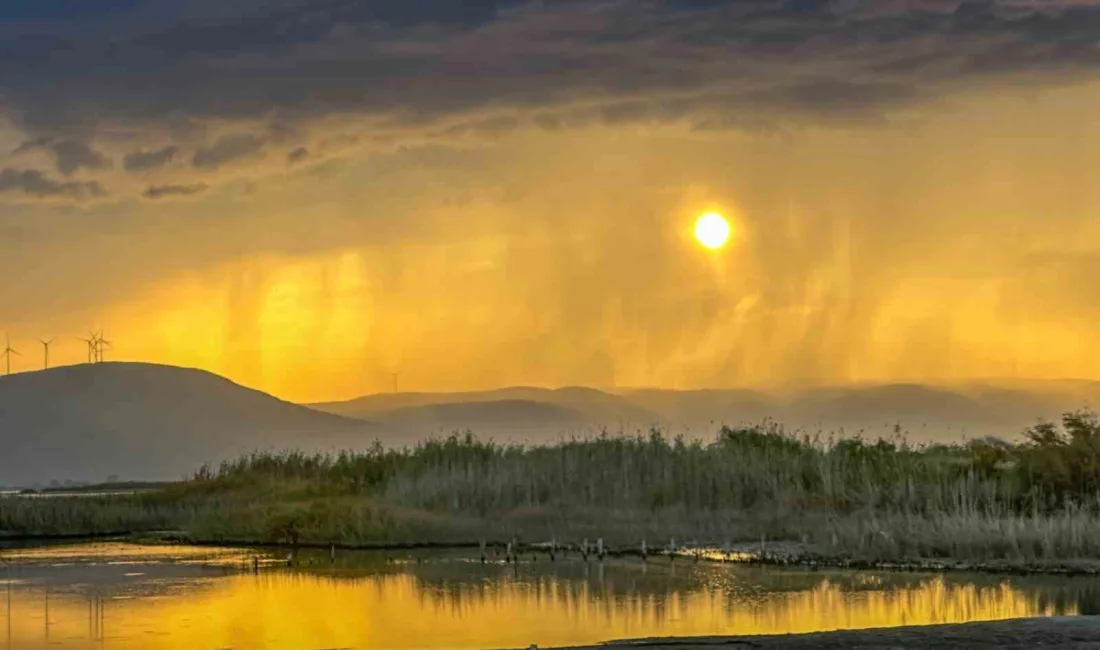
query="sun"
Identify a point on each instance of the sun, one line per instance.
(712, 230)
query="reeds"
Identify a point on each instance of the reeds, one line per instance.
(885, 499)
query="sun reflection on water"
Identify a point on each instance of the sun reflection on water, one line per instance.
(448, 604)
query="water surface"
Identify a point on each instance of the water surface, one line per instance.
(171, 597)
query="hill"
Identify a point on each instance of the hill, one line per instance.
(925, 413)
(513, 418)
(519, 413)
(706, 409)
(147, 422)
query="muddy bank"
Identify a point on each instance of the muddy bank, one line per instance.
(1075, 632)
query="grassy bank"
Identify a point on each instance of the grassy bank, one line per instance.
(1035, 501)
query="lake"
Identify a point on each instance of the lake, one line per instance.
(113, 595)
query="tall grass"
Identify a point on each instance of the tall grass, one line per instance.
(887, 499)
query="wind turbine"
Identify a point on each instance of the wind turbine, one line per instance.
(94, 339)
(46, 351)
(101, 344)
(91, 345)
(8, 351)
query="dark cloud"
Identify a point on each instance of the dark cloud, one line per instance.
(164, 191)
(32, 182)
(42, 142)
(143, 161)
(417, 62)
(297, 155)
(227, 149)
(70, 156)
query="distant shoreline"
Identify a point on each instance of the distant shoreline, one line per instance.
(1016, 634)
(785, 554)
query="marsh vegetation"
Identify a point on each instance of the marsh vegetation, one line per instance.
(1036, 500)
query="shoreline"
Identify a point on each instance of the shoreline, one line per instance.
(1073, 632)
(783, 554)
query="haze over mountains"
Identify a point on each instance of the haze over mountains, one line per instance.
(522, 412)
(925, 413)
(150, 422)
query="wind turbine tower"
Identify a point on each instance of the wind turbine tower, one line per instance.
(91, 346)
(46, 352)
(8, 351)
(101, 345)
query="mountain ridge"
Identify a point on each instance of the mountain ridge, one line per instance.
(931, 412)
(148, 422)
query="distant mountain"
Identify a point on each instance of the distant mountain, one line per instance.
(517, 413)
(923, 412)
(705, 409)
(931, 413)
(889, 403)
(512, 419)
(147, 422)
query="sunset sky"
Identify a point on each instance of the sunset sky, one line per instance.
(309, 196)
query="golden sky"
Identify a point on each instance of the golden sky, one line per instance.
(944, 226)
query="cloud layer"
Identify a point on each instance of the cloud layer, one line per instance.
(35, 184)
(428, 61)
(177, 79)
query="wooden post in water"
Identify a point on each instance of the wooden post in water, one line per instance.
(584, 549)
(599, 548)
(644, 552)
(332, 554)
(508, 553)
(672, 550)
(483, 551)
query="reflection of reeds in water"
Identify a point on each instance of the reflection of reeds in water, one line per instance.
(615, 603)
(467, 605)
(749, 608)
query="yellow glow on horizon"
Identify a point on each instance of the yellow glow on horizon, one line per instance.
(712, 230)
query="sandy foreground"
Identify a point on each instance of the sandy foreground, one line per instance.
(1073, 632)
